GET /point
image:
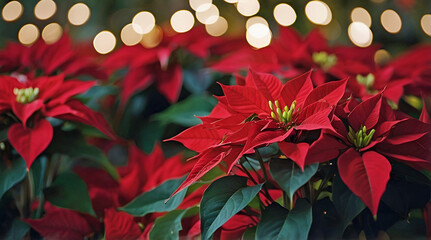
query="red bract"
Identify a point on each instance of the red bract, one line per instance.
(30, 100)
(120, 225)
(374, 136)
(258, 113)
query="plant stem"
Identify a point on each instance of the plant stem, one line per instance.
(262, 164)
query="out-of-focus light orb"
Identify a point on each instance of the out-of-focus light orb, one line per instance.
(195, 4)
(360, 34)
(318, 12)
(284, 14)
(208, 15)
(248, 7)
(231, 1)
(12, 11)
(104, 42)
(28, 34)
(182, 21)
(361, 15)
(391, 21)
(218, 28)
(426, 24)
(143, 22)
(78, 14)
(129, 36)
(382, 57)
(256, 19)
(51, 33)
(153, 38)
(45, 9)
(259, 35)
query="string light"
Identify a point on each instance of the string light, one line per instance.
(256, 19)
(318, 12)
(258, 35)
(382, 57)
(78, 14)
(129, 36)
(52, 32)
(153, 38)
(284, 14)
(360, 34)
(391, 21)
(28, 34)
(426, 24)
(195, 4)
(182, 21)
(12, 11)
(218, 28)
(361, 15)
(104, 42)
(248, 8)
(45, 9)
(143, 22)
(208, 15)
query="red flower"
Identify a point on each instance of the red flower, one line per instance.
(258, 113)
(32, 100)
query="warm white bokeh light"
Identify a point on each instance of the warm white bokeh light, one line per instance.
(104, 42)
(426, 24)
(208, 15)
(182, 21)
(231, 1)
(259, 35)
(318, 12)
(391, 21)
(45, 9)
(129, 36)
(382, 57)
(143, 22)
(360, 34)
(52, 32)
(284, 14)
(361, 15)
(256, 19)
(218, 28)
(12, 11)
(195, 4)
(153, 38)
(248, 7)
(28, 34)
(78, 14)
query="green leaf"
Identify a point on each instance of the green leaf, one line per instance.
(155, 200)
(3, 134)
(73, 144)
(93, 95)
(197, 80)
(131, 115)
(289, 176)
(184, 113)
(249, 234)
(69, 191)
(348, 205)
(148, 133)
(223, 199)
(278, 223)
(11, 174)
(37, 171)
(168, 226)
(18, 230)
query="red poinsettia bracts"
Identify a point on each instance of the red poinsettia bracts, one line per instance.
(257, 113)
(31, 100)
(374, 136)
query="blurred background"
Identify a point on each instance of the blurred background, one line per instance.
(107, 24)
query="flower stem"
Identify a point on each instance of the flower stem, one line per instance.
(262, 164)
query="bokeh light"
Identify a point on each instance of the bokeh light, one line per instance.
(318, 12)
(52, 32)
(360, 34)
(28, 34)
(231, 1)
(426, 24)
(78, 14)
(182, 21)
(104, 42)
(248, 7)
(208, 15)
(153, 38)
(129, 36)
(12, 11)
(45, 9)
(256, 19)
(361, 15)
(284, 14)
(259, 35)
(382, 57)
(218, 28)
(195, 4)
(391, 21)
(143, 22)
